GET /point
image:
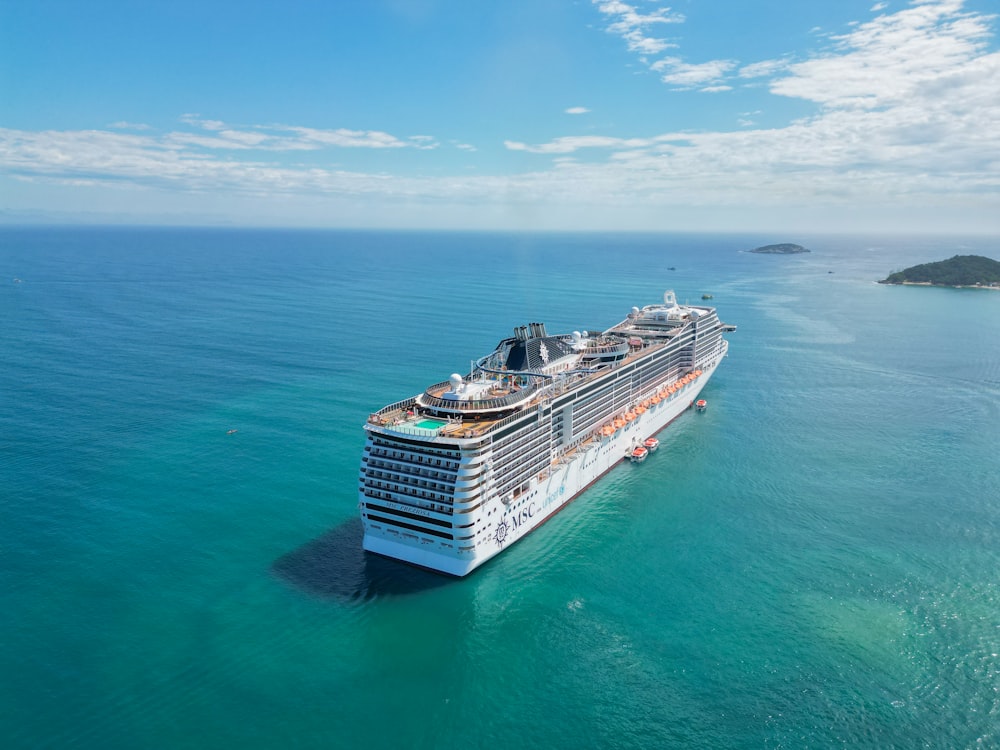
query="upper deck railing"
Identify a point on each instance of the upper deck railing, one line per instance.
(429, 400)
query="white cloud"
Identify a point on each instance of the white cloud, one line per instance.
(423, 142)
(907, 117)
(572, 143)
(123, 125)
(577, 111)
(909, 111)
(196, 120)
(893, 58)
(186, 159)
(689, 75)
(345, 138)
(762, 68)
(631, 25)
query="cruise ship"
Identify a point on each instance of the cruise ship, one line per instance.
(453, 476)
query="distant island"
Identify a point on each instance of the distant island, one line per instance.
(784, 248)
(960, 271)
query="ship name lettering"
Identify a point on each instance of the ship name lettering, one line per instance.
(408, 509)
(523, 515)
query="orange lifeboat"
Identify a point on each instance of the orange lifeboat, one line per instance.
(655, 399)
(629, 416)
(619, 423)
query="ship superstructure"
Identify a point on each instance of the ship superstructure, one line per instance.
(454, 475)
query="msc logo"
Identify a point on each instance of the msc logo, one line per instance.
(500, 535)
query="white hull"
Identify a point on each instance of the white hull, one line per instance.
(548, 493)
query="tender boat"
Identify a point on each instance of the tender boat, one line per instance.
(651, 444)
(639, 454)
(700, 404)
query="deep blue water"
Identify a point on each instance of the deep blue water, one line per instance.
(812, 562)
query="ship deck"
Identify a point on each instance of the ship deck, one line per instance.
(405, 418)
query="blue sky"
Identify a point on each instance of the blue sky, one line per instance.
(721, 115)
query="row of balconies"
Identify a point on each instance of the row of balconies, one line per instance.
(414, 457)
(404, 479)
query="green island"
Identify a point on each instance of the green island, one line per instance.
(782, 248)
(960, 271)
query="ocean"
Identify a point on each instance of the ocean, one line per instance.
(811, 562)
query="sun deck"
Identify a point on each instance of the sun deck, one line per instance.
(422, 415)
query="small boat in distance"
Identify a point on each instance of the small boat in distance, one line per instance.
(651, 444)
(706, 296)
(639, 454)
(700, 404)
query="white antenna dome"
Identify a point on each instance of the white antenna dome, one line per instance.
(456, 382)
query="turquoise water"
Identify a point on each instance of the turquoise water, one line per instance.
(811, 562)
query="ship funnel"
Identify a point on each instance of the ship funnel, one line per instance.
(538, 330)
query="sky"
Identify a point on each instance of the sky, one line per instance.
(702, 115)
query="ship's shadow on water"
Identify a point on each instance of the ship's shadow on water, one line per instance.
(335, 566)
